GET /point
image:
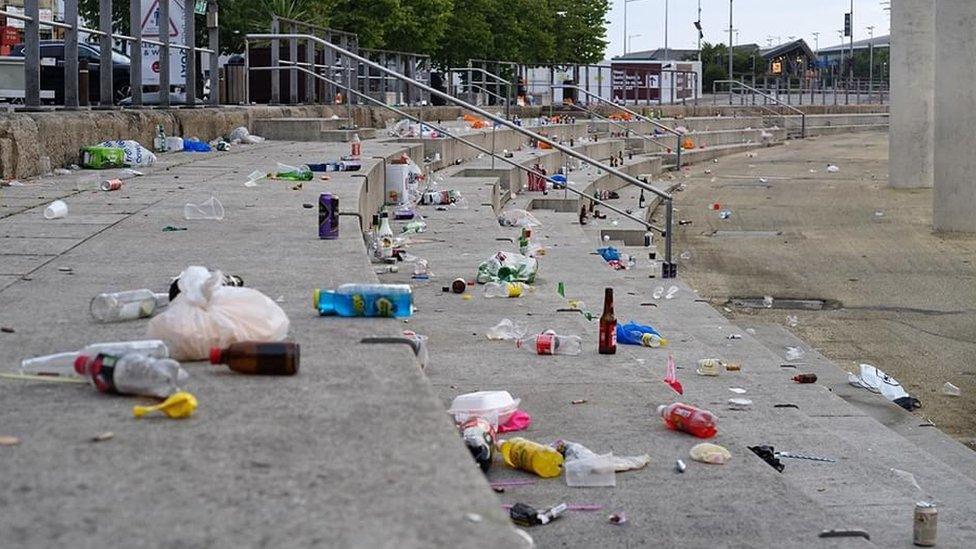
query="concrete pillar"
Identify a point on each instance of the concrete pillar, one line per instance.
(912, 93)
(954, 206)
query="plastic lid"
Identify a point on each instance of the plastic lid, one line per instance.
(215, 353)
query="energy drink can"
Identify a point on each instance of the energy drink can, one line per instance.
(111, 185)
(328, 216)
(926, 524)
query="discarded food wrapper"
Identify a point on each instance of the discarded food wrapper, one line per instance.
(488, 404)
(180, 405)
(875, 380)
(519, 421)
(706, 452)
(208, 314)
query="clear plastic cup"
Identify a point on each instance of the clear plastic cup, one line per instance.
(209, 209)
(56, 210)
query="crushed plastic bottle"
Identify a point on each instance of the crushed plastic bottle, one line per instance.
(130, 305)
(549, 343)
(506, 289)
(505, 330)
(63, 364)
(132, 374)
(688, 419)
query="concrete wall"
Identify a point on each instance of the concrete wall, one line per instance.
(912, 93)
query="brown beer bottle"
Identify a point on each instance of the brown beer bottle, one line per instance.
(272, 358)
(608, 325)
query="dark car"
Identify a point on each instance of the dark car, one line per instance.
(52, 70)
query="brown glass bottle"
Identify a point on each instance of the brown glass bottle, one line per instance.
(273, 358)
(608, 325)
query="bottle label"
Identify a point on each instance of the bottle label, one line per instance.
(545, 344)
(358, 304)
(384, 307)
(608, 335)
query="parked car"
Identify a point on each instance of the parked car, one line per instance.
(52, 70)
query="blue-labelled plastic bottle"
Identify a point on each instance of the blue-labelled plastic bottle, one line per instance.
(377, 300)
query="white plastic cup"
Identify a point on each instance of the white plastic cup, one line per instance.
(56, 210)
(209, 209)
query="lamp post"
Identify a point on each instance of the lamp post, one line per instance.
(870, 61)
(625, 23)
(731, 30)
(666, 56)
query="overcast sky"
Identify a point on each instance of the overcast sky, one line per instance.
(756, 20)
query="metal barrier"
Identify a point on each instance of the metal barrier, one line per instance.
(822, 90)
(733, 83)
(483, 84)
(639, 116)
(621, 125)
(669, 268)
(32, 57)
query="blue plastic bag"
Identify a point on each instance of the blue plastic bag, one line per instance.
(631, 333)
(609, 253)
(192, 145)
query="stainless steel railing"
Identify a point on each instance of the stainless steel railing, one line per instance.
(617, 124)
(669, 268)
(499, 79)
(733, 83)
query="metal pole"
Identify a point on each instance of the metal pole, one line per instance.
(699, 32)
(135, 52)
(214, 39)
(851, 73)
(71, 55)
(625, 27)
(309, 81)
(190, 40)
(275, 55)
(293, 73)
(164, 53)
(105, 89)
(32, 54)
(666, 56)
(731, 78)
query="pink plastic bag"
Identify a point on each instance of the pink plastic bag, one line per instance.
(520, 420)
(671, 378)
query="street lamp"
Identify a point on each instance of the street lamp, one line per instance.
(871, 59)
(630, 40)
(731, 30)
(625, 23)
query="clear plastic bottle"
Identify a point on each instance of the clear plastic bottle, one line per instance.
(687, 418)
(549, 343)
(130, 305)
(506, 289)
(291, 173)
(272, 358)
(385, 238)
(132, 374)
(63, 364)
(375, 300)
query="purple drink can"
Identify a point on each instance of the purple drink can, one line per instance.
(328, 216)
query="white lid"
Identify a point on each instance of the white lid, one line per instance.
(486, 402)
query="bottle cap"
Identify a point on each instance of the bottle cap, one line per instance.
(661, 409)
(315, 297)
(215, 353)
(81, 364)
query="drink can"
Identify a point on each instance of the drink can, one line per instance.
(926, 524)
(111, 185)
(328, 216)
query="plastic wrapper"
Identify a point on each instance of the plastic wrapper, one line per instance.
(518, 218)
(508, 267)
(207, 314)
(135, 154)
(706, 452)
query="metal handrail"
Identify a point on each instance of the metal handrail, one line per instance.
(655, 123)
(501, 80)
(94, 32)
(477, 147)
(803, 115)
(669, 267)
(620, 125)
(489, 92)
(317, 27)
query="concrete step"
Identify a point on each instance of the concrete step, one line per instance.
(309, 129)
(695, 156)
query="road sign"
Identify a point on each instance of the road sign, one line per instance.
(150, 52)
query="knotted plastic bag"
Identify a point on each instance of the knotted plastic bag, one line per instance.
(207, 314)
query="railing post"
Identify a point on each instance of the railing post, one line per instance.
(213, 29)
(190, 41)
(275, 57)
(309, 80)
(164, 53)
(32, 55)
(106, 87)
(71, 55)
(668, 269)
(293, 71)
(135, 52)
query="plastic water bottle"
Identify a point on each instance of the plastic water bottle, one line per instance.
(374, 300)
(273, 358)
(130, 305)
(687, 418)
(549, 343)
(63, 364)
(505, 289)
(132, 374)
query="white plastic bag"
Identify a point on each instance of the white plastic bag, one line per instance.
(517, 218)
(207, 314)
(135, 154)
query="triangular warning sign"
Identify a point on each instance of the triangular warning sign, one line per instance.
(173, 29)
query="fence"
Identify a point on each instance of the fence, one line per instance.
(825, 90)
(76, 69)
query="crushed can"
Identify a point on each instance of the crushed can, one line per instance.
(926, 524)
(328, 216)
